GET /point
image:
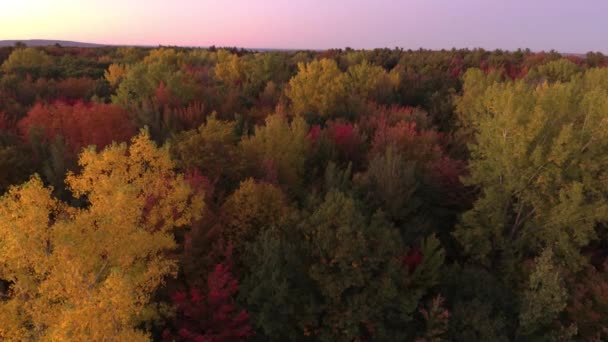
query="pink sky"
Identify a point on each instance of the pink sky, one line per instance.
(568, 26)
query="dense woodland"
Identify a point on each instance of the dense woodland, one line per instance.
(176, 194)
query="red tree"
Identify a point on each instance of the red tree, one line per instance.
(79, 124)
(213, 316)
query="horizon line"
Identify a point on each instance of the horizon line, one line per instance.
(282, 48)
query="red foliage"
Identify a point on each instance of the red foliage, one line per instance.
(80, 124)
(346, 139)
(377, 116)
(314, 134)
(412, 259)
(190, 116)
(416, 145)
(212, 316)
(589, 303)
(164, 97)
(76, 88)
(199, 183)
(445, 176)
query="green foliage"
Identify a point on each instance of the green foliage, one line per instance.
(391, 183)
(561, 70)
(544, 298)
(141, 81)
(212, 149)
(251, 209)
(369, 82)
(481, 307)
(539, 158)
(333, 212)
(27, 60)
(278, 150)
(277, 290)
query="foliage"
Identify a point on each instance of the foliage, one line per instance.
(539, 163)
(212, 149)
(210, 316)
(88, 273)
(278, 150)
(318, 88)
(80, 124)
(27, 60)
(350, 195)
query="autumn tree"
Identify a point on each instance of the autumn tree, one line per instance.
(278, 150)
(253, 207)
(538, 160)
(142, 79)
(212, 149)
(88, 273)
(27, 60)
(369, 82)
(210, 315)
(561, 70)
(318, 88)
(79, 124)
(115, 74)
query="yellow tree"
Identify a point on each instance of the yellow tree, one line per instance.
(115, 74)
(86, 274)
(318, 88)
(278, 150)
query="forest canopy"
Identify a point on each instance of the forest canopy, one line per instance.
(223, 194)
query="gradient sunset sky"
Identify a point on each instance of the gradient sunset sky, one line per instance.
(567, 26)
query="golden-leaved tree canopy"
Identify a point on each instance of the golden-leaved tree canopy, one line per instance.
(86, 274)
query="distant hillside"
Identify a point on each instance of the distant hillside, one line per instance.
(47, 42)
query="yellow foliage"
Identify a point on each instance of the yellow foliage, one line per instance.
(115, 74)
(228, 69)
(248, 210)
(86, 274)
(319, 88)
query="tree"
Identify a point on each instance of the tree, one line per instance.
(80, 124)
(391, 184)
(318, 88)
(212, 149)
(561, 70)
(278, 150)
(211, 315)
(27, 60)
(253, 207)
(544, 298)
(362, 289)
(15, 161)
(538, 158)
(88, 273)
(115, 74)
(142, 79)
(369, 82)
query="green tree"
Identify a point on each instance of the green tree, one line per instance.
(246, 213)
(369, 82)
(539, 160)
(213, 150)
(544, 298)
(27, 60)
(362, 288)
(278, 150)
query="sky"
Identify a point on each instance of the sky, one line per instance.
(567, 26)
